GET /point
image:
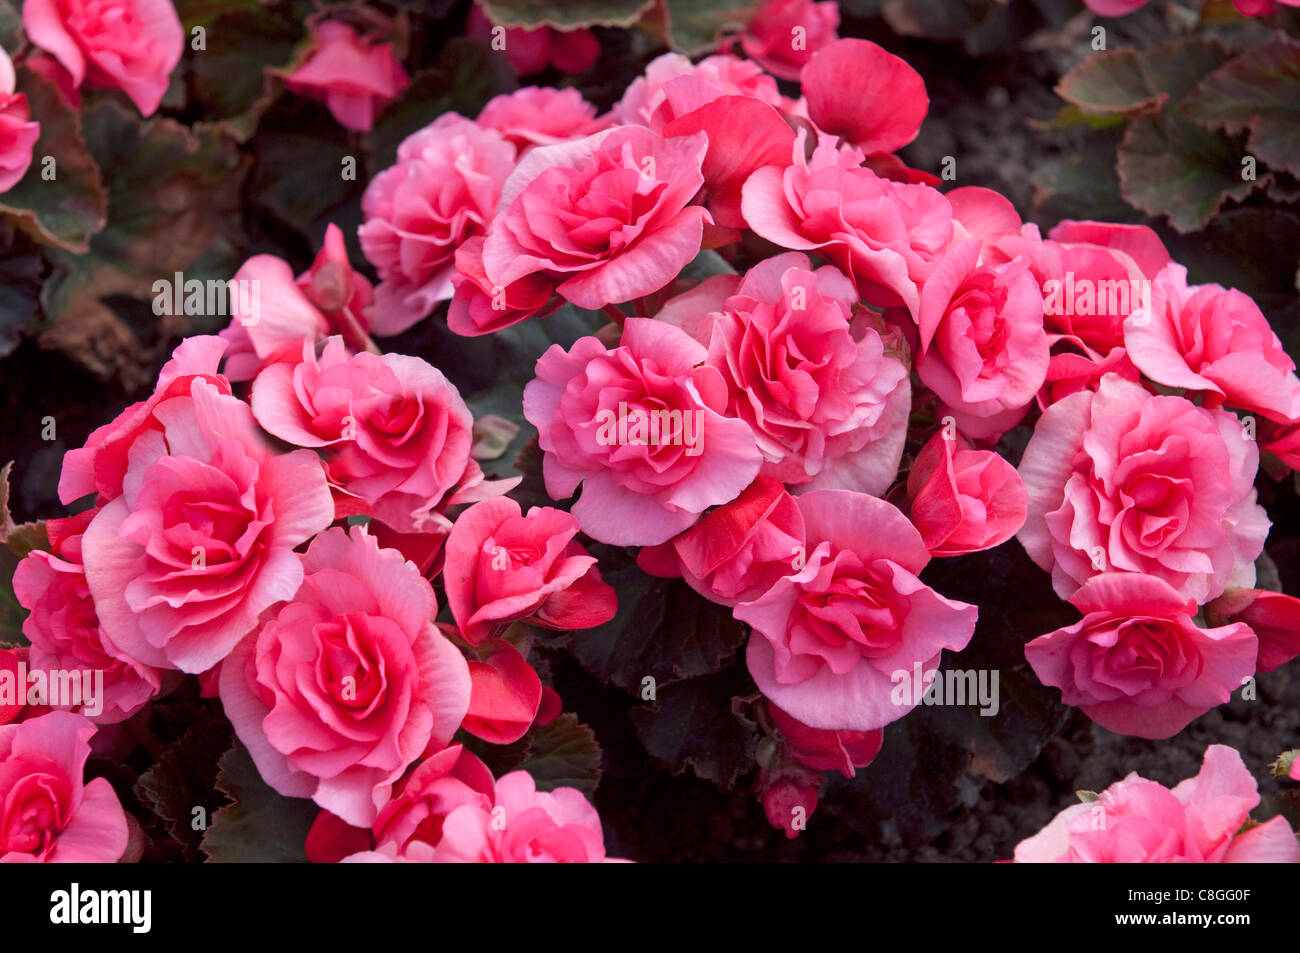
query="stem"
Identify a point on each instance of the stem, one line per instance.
(614, 314)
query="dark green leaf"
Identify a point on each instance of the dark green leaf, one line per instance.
(259, 825)
(695, 722)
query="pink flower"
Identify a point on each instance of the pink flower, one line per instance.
(869, 97)
(443, 190)
(828, 405)
(13, 709)
(505, 695)
(18, 134)
(983, 349)
(1095, 274)
(1115, 8)
(963, 500)
(830, 639)
(64, 629)
(1140, 821)
(355, 78)
(479, 307)
(643, 428)
(724, 75)
(503, 566)
(1215, 342)
(271, 323)
(1272, 616)
(609, 216)
(531, 51)
(540, 116)
(349, 683)
(1121, 479)
(738, 550)
(888, 236)
(53, 70)
(524, 826)
(47, 814)
(1137, 663)
(783, 34)
(100, 466)
(201, 540)
(131, 45)
(413, 819)
(841, 751)
(789, 801)
(395, 431)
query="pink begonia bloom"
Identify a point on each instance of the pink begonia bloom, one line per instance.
(842, 751)
(1094, 276)
(744, 135)
(1140, 821)
(964, 500)
(1123, 479)
(49, 815)
(789, 797)
(783, 34)
(726, 75)
(1272, 616)
(531, 51)
(1213, 342)
(202, 539)
(983, 348)
(864, 94)
(423, 799)
(271, 323)
(349, 683)
(888, 236)
(355, 78)
(609, 216)
(12, 709)
(523, 826)
(131, 45)
(395, 432)
(100, 465)
(736, 551)
(540, 116)
(643, 428)
(64, 630)
(831, 639)
(442, 191)
(479, 307)
(502, 566)
(18, 134)
(827, 401)
(505, 693)
(1136, 663)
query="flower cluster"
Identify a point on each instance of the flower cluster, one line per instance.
(812, 358)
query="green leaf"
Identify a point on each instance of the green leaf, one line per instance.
(298, 175)
(697, 723)
(1259, 93)
(1112, 82)
(1168, 165)
(230, 76)
(67, 210)
(694, 27)
(565, 14)
(175, 205)
(468, 74)
(260, 825)
(20, 288)
(1081, 183)
(663, 629)
(202, 12)
(19, 538)
(184, 778)
(11, 27)
(561, 753)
